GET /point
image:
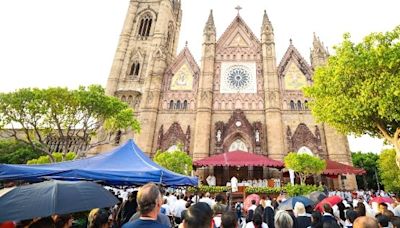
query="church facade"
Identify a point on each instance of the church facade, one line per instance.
(238, 97)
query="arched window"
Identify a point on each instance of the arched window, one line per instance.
(145, 25)
(123, 98)
(185, 104)
(118, 137)
(305, 150)
(292, 105)
(171, 104)
(306, 104)
(130, 99)
(178, 105)
(134, 69)
(299, 106)
(238, 144)
(170, 35)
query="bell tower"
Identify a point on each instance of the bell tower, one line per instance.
(147, 45)
(204, 107)
(273, 109)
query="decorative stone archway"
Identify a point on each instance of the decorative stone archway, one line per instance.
(235, 137)
(238, 128)
(303, 137)
(172, 137)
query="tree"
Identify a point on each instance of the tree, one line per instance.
(176, 161)
(358, 90)
(58, 157)
(32, 116)
(389, 172)
(369, 162)
(13, 152)
(304, 165)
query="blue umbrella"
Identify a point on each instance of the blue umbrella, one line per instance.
(289, 203)
(52, 197)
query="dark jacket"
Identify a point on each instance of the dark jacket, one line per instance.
(268, 217)
(328, 218)
(303, 221)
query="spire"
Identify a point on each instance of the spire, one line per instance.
(266, 24)
(319, 54)
(267, 31)
(209, 30)
(210, 23)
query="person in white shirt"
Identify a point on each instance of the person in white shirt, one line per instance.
(206, 199)
(211, 181)
(179, 206)
(171, 199)
(253, 206)
(166, 207)
(234, 184)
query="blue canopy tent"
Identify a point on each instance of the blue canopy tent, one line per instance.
(125, 165)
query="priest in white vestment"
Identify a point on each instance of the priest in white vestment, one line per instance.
(234, 184)
(211, 181)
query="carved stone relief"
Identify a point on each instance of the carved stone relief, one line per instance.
(238, 127)
(173, 136)
(304, 137)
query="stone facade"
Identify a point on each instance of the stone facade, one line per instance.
(238, 97)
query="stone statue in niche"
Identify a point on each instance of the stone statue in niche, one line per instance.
(219, 136)
(257, 134)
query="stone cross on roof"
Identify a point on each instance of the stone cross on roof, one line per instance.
(238, 8)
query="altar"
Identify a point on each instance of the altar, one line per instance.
(250, 169)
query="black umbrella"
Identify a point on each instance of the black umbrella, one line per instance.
(52, 197)
(316, 196)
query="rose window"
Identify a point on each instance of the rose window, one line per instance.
(238, 77)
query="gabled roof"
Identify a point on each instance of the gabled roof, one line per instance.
(293, 54)
(185, 54)
(237, 22)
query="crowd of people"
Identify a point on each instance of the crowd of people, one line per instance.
(151, 206)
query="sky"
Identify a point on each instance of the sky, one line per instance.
(72, 42)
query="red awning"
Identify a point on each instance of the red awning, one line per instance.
(238, 158)
(336, 168)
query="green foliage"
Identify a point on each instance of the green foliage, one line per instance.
(176, 161)
(358, 90)
(210, 189)
(57, 156)
(299, 190)
(291, 190)
(32, 114)
(369, 162)
(262, 190)
(13, 152)
(304, 165)
(389, 172)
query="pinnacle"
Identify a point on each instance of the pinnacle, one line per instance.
(210, 20)
(266, 24)
(210, 23)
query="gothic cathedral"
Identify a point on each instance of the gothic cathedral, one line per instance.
(237, 97)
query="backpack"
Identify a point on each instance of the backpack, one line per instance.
(238, 207)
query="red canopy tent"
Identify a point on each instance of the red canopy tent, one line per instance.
(336, 168)
(238, 159)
